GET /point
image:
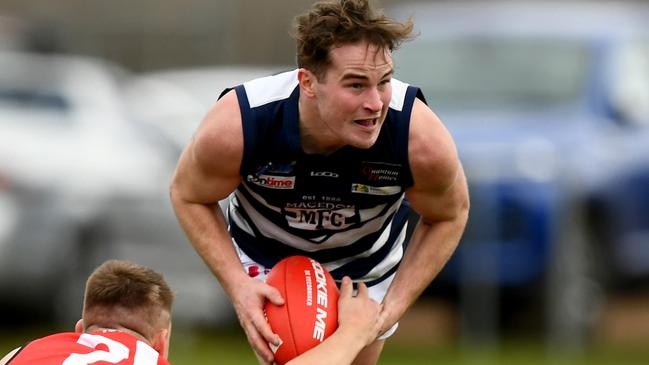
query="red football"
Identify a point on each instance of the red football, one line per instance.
(310, 310)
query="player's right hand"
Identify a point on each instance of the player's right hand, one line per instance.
(248, 301)
(359, 313)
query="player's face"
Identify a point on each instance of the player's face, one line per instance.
(354, 96)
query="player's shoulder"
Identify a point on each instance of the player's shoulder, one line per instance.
(268, 89)
(399, 92)
(431, 149)
(59, 336)
(222, 119)
(222, 123)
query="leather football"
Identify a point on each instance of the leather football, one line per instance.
(310, 310)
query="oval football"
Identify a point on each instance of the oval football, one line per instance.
(310, 311)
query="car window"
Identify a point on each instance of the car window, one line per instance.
(33, 99)
(31, 84)
(483, 73)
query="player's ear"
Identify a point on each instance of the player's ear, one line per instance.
(307, 82)
(161, 342)
(79, 326)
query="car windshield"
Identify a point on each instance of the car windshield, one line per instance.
(478, 73)
(33, 99)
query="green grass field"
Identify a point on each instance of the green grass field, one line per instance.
(230, 347)
(205, 347)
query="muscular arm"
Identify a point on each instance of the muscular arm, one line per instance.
(208, 171)
(440, 196)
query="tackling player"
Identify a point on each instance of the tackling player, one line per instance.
(127, 321)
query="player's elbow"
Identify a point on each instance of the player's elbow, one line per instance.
(463, 214)
(462, 208)
(175, 192)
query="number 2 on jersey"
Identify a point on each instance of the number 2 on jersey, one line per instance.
(144, 355)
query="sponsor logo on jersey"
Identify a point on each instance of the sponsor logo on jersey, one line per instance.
(324, 174)
(380, 172)
(375, 190)
(272, 181)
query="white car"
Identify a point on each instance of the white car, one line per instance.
(80, 182)
(174, 101)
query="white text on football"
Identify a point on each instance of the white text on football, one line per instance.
(309, 288)
(321, 311)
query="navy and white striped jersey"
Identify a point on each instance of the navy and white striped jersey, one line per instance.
(346, 209)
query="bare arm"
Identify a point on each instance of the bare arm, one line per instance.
(359, 323)
(440, 196)
(208, 171)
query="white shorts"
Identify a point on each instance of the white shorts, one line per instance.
(258, 271)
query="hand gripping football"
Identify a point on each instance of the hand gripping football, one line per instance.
(310, 311)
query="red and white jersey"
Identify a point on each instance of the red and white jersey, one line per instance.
(98, 348)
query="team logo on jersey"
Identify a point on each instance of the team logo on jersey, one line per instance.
(315, 215)
(272, 181)
(283, 168)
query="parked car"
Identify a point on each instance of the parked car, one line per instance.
(80, 182)
(172, 102)
(539, 97)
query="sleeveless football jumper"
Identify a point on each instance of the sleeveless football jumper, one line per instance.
(346, 210)
(74, 348)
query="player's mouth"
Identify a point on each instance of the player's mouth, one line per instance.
(367, 123)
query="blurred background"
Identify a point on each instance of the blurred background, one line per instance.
(548, 103)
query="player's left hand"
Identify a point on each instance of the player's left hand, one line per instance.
(359, 314)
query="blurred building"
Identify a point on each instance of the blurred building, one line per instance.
(147, 34)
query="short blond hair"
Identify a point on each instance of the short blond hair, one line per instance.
(124, 294)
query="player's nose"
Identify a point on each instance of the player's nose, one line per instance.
(373, 100)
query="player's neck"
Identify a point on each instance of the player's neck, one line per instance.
(94, 328)
(315, 137)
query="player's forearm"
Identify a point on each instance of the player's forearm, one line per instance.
(8, 356)
(428, 251)
(207, 231)
(340, 348)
